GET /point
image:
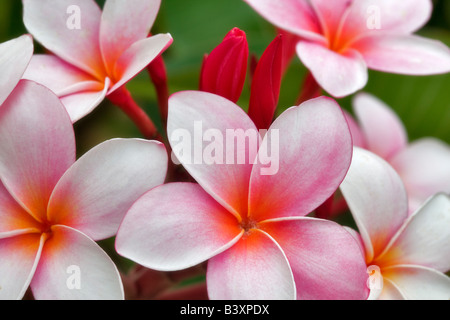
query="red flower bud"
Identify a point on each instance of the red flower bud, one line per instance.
(266, 84)
(224, 69)
(290, 41)
(158, 75)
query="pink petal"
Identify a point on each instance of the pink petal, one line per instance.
(383, 16)
(355, 234)
(425, 169)
(340, 74)
(326, 261)
(80, 104)
(20, 256)
(123, 24)
(137, 57)
(294, 16)
(310, 150)
(48, 21)
(377, 200)
(424, 238)
(194, 114)
(74, 267)
(59, 76)
(255, 268)
(390, 291)
(176, 226)
(79, 91)
(410, 55)
(96, 192)
(357, 134)
(14, 219)
(37, 145)
(331, 15)
(419, 283)
(383, 130)
(14, 58)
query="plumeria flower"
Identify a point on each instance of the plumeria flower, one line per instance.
(15, 55)
(250, 224)
(53, 208)
(407, 254)
(339, 40)
(423, 165)
(94, 52)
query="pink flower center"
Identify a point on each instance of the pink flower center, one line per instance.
(340, 41)
(44, 227)
(248, 224)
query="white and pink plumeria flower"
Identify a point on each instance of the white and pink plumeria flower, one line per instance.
(423, 165)
(251, 227)
(408, 254)
(53, 208)
(94, 52)
(340, 39)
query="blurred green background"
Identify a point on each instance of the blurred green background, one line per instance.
(197, 26)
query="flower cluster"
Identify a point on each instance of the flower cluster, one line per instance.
(243, 201)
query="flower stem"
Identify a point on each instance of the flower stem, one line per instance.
(123, 99)
(158, 75)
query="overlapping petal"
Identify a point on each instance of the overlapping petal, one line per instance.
(36, 135)
(74, 267)
(357, 134)
(79, 92)
(410, 54)
(96, 192)
(424, 238)
(331, 17)
(137, 57)
(59, 76)
(325, 259)
(197, 119)
(82, 103)
(254, 267)
(176, 226)
(340, 74)
(294, 16)
(424, 166)
(382, 16)
(390, 291)
(310, 149)
(419, 283)
(383, 131)
(123, 24)
(14, 219)
(48, 20)
(377, 199)
(20, 256)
